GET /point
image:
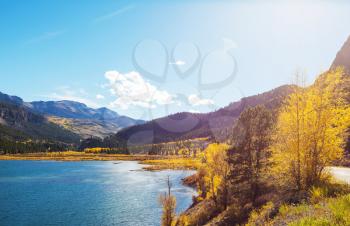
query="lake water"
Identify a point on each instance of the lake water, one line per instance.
(85, 193)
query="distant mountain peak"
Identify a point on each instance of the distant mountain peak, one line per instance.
(63, 108)
(82, 119)
(343, 57)
(68, 102)
(10, 99)
(105, 113)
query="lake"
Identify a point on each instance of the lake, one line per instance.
(85, 193)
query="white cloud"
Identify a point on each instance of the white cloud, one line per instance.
(195, 100)
(178, 62)
(68, 93)
(132, 90)
(100, 97)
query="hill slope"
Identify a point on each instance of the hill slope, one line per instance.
(17, 122)
(81, 119)
(343, 57)
(215, 125)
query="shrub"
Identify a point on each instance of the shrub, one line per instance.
(317, 194)
(262, 216)
(329, 211)
(340, 209)
(311, 221)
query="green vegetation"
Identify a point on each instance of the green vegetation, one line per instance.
(14, 141)
(327, 204)
(23, 131)
(329, 211)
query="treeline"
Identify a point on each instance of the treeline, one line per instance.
(273, 161)
(21, 147)
(14, 142)
(19, 121)
(24, 131)
(100, 150)
(188, 148)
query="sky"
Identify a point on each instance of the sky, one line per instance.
(148, 59)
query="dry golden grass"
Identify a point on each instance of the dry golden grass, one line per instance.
(76, 156)
(172, 162)
(153, 162)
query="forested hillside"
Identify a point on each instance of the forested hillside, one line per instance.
(343, 60)
(22, 130)
(216, 125)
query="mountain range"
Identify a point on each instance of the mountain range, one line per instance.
(82, 120)
(62, 121)
(20, 124)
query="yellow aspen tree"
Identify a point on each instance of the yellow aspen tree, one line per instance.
(311, 130)
(215, 170)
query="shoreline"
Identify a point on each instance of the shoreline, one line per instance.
(151, 162)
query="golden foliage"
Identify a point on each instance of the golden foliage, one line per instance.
(261, 216)
(311, 129)
(168, 202)
(95, 150)
(214, 169)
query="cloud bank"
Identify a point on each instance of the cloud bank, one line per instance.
(100, 97)
(131, 89)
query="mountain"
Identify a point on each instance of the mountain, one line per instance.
(343, 57)
(4, 98)
(17, 121)
(80, 119)
(71, 109)
(53, 119)
(215, 125)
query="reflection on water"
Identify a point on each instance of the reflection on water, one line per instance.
(85, 193)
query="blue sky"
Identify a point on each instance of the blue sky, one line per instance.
(124, 54)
